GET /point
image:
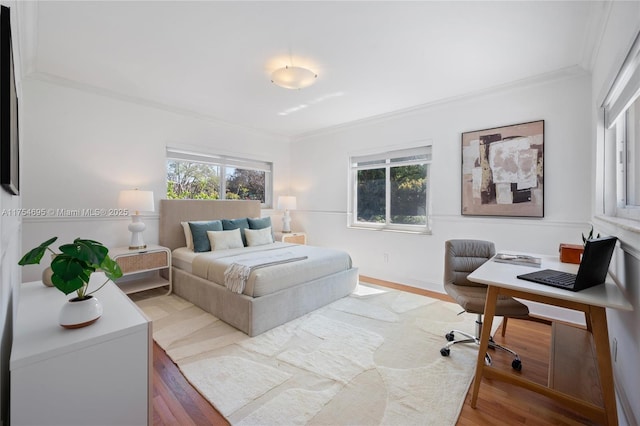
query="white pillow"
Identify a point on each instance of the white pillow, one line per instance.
(258, 237)
(187, 234)
(224, 240)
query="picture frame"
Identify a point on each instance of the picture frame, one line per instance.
(9, 137)
(503, 171)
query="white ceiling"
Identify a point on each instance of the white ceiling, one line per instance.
(372, 58)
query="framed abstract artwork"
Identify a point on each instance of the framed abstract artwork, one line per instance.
(503, 171)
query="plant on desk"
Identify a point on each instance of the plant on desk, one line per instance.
(588, 237)
(72, 269)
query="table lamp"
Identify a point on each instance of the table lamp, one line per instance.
(136, 201)
(286, 203)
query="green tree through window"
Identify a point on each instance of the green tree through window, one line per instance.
(371, 195)
(390, 189)
(246, 185)
(187, 180)
(409, 195)
(210, 177)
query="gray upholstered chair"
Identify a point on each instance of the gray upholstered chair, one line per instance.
(462, 257)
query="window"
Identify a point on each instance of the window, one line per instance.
(632, 154)
(622, 121)
(192, 175)
(390, 190)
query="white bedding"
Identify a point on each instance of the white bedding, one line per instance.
(320, 262)
(237, 273)
(182, 258)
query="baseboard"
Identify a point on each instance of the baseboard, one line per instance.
(624, 407)
(407, 288)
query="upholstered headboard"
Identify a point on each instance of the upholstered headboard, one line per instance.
(172, 212)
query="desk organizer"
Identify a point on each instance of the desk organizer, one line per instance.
(571, 253)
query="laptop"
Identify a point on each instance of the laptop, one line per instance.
(592, 270)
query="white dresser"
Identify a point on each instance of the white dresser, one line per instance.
(96, 375)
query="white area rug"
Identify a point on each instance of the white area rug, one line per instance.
(370, 358)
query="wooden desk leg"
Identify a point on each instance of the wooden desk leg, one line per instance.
(598, 319)
(587, 320)
(489, 312)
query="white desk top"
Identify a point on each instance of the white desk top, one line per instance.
(504, 275)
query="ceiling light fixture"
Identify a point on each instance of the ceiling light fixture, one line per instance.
(291, 77)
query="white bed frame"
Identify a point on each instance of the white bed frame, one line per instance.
(252, 315)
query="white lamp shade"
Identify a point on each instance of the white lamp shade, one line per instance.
(287, 202)
(291, 77)
(136, 201)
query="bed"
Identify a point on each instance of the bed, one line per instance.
(272, 295)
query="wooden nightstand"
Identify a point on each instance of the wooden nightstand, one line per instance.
(291, 237)
(141, 268)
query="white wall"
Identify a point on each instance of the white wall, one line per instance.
(319, 178)
(624, 327)
(81, 148)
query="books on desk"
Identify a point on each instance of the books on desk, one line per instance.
(518, 259)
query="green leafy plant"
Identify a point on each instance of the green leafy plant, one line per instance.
(589, 237)
(75, 263)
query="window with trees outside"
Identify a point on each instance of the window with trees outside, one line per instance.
(201, 176)
(390, 190)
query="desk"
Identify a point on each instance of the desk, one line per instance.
(502, 280)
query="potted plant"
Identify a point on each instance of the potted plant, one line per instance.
(588, 237)
(72, 269)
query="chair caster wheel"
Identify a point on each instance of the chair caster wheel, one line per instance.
(516, 365)
(449, 337)
(445, 351)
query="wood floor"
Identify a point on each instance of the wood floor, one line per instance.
(175, 402)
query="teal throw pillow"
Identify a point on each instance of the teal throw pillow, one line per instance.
(199, 232)
(261, 223)
(242, 224)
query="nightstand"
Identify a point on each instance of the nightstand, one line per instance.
(291, 237)
(141, 269)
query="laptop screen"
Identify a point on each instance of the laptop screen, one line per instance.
(595, 262)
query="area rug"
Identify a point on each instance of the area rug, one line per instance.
(368, 359)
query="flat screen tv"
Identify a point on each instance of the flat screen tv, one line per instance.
(9, 141)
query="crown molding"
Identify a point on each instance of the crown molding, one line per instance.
(594, 33)
(27, 30)
(557, 75)
(87, 88)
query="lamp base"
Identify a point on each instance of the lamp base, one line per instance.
(136, 227)
(286, 222)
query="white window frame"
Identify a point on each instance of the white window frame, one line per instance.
(624, 90)
(224, 161)
(385, 159)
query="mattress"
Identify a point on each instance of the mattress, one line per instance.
(182, 258)
(319, 262)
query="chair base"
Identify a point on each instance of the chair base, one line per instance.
(516, 364)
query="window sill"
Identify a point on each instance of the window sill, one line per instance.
(622, 223)
(399, 231)
(627, 231)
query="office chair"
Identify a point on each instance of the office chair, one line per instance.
(462, 257)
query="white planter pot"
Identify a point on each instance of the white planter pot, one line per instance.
(80, 313)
